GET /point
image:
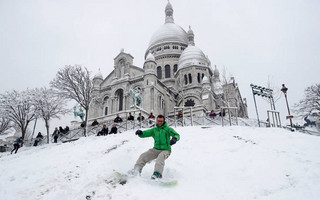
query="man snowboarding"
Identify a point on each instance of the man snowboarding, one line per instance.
(162, 147)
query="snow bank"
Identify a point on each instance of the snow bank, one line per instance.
(213, 163)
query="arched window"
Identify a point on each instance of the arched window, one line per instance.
(159, 72)
(167, 71)
(106, 111)
(190, 79)
(119, 95)
(175, 68)
(198, 77)
(185, 79)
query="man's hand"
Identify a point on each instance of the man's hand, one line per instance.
(139, 132)
(173, 141)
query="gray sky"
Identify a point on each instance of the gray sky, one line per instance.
(252, 39)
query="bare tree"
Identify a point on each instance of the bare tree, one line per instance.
(310, 105)
(18, 107)
(75, 83)
(49, 105)
(226, 81)
(276, 92)
(5, 124)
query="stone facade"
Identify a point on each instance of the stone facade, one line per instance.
(175, 73)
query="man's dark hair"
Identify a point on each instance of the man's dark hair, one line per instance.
(160, 116)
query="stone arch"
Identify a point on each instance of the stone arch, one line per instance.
(167, 71)
(119, 96)
(159, 72)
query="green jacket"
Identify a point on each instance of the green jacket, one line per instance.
(161, 136)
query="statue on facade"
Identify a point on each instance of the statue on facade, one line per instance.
(79, 113)
(136, 96)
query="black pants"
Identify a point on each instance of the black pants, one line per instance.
(16, 147)
(55, 139)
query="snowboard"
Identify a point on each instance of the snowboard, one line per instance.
(122, 179)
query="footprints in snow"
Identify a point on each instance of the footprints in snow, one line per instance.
(246, 141)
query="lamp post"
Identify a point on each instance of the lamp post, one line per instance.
(284, 89)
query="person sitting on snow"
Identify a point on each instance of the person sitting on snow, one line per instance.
(114, 129)
(104, 130)
(38, 139)
(164, 136)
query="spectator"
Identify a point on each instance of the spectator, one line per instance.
(222, 113)
(66, 130)
(114, 129)
(94, 123)
(130, 117)
(179, 114)
(104, 130)
(212, 114)
(151, 118)
(38, 139)
(83, 124)
(140, 118)
(55, 135)
(17, 144)
(61, 129)
(118, 119)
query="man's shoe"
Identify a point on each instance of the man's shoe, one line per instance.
(156, 175)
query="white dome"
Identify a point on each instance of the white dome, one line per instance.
(150, 57)
(216, 72)
(168, 32)
(205, 80)
(98, 76)
(217, 86)
(192, 55)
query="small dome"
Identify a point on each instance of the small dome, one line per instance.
(98, 75)
(217, 87)
(205, 80)
(192, 55)
(216, 72)
(150, 57)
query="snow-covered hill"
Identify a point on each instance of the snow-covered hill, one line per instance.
(213, 163)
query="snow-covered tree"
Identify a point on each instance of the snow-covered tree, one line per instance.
(19, 108)
(310, 104)
(49, 105)
(75, 83)
(5, 124)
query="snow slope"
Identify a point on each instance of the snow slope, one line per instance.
(214, 163)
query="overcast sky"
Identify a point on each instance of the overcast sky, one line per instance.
(253, 39)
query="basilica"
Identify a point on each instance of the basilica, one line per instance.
(176, 74)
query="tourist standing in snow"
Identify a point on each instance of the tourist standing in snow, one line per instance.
(55, 135)
(164, 136)
(17, 144)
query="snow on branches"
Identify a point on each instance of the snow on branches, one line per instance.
(310, 105)
(75, 83)
(19, 108)
(48, 105)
